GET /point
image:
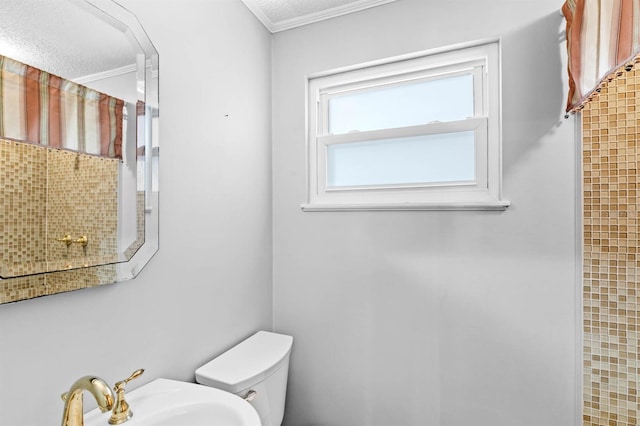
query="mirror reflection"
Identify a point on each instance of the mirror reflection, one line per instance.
(78, 146)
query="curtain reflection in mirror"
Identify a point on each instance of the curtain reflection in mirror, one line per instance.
(42, 108)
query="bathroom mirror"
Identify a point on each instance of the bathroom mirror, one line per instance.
(72, 218)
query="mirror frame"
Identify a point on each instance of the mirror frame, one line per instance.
(147, 81)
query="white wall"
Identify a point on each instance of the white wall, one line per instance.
(209, 286)
(432, 318)
(400, 318)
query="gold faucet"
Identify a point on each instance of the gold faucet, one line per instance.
(121, 410)
(73, 410)
(83, 241)
(67, 240)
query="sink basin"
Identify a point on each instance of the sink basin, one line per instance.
(165, 402)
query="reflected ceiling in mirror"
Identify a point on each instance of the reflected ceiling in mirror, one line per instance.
(72, 219)
(68, 38)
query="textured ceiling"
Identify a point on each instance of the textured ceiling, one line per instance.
(68, 38)
(73, 39)
(279, 15)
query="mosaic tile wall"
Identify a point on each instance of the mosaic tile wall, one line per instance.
(611, 126)
(22, 220)
(82, 200)
(140, 227)
(28, 287)
(80, 194)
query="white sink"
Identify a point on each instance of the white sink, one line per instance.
(164, 402)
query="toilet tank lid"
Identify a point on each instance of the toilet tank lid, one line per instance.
(247, 363)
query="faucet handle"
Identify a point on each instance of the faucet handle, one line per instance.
(121, 384)
(121, 410)
(67, 240)
(83, 241)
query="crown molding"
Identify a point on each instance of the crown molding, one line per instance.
(106, 74)
(274, 27)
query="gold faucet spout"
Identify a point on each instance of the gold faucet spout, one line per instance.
(73, 408)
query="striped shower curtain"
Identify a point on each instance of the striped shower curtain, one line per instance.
(603, 40)
(42, 108)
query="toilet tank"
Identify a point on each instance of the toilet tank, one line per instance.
(259, 363)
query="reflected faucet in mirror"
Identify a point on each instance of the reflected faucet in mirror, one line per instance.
(66, 240)
(83, 241)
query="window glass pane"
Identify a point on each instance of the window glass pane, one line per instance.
(409, 104)
(448, 157)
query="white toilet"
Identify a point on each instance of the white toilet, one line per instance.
(256, 369)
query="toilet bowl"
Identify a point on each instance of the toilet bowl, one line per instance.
(255, 369)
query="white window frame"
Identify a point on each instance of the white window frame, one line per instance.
(482, 60)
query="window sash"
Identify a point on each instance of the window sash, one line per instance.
(476, 68)
(477, 125)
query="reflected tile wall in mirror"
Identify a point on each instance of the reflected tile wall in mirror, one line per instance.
(23, 187)
(80, 194)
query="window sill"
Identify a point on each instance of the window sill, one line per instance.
(484, 205)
